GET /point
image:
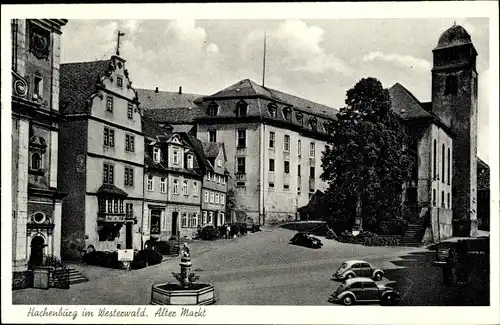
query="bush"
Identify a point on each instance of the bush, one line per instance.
(380, 241)
(210, 233)
(395, 226)
(222, 230)
(243, 228)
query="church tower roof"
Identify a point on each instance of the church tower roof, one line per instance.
(454, 36)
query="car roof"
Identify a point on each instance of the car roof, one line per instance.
(358, 279)
(350, 262)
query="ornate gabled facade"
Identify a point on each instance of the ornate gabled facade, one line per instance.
(36, 193)
(102, 156)
(273, 143)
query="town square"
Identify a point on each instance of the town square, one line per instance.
(177, 164)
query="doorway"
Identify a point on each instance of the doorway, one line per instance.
(128, 235)
(36, 256)
(175, 216)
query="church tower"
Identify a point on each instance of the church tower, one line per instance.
(454, 101)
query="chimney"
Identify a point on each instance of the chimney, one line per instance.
(180, 90)
(156, 90)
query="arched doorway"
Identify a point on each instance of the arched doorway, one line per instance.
(36, 256)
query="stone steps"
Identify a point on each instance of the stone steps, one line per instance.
(76, 276)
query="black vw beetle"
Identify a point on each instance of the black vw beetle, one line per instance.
(305, 239)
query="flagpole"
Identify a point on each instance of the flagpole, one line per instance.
(264, 63)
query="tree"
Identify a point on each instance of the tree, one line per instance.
(365, 162)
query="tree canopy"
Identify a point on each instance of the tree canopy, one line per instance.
(365, 161)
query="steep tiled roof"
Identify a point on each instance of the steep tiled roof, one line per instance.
(212, 149)
(177, 115)
(180, 128)
(151, 129)
(248, 88)
(150, 99)
(197, 145)
(77, 83)
(405, 104)
(110, 189)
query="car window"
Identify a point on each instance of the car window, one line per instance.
(356, 285)
(356, 266)
(365, 265)
(369, 285)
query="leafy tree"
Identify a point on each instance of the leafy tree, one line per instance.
(365, 162)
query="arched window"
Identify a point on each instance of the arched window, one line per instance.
(272, 107)
(451, 85)
(299, 118)
(241, 108)
(287, 113)
(36, 161)
(434, 161)
(314, 123)
(442, 163)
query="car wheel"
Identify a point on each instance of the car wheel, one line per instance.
(348, 300)
(378, 276)
(349, 276)
(389, 299)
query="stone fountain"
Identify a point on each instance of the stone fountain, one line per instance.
(186, 291)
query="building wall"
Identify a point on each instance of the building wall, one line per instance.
(440, 184)
(247, 196)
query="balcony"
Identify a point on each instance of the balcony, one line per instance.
(111, 217)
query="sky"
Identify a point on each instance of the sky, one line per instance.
(318, 59)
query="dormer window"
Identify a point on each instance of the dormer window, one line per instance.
(299, 116)
(241, 108)
(156, 155)
(314, 123)
(190, 161)
(272, 107)
(287, 113)
(213, 109)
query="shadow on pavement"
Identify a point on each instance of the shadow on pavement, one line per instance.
(421, 284)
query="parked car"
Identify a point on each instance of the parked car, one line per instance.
(357, 268)
(304, 239)
(145, 258)
(102, 258)
(364, 290)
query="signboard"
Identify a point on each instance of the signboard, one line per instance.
(125, 255)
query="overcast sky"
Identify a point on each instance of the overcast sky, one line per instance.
(315, 59)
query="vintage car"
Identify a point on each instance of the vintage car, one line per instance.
(304, 239)
(146, 257)
(364, 290)
(357, 268)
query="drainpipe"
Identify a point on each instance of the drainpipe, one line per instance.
(143, 205)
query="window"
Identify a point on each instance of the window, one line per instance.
(433, 197)
(299, 117)
(218, 179)
(219, 163)
(129, 208)
(36, 161)
(163, 185)
(299, 148)
(150, 183)
(312, 172)
(129, 176)
(176, 186)
(451, 85)
(109, 137)
(208, 176)
(298, 170)
(156, 154)
(271, 185)
(212, 136)
(176, 157)
(223, 179)
(272, 107)
(184, 220)
(217, 198)
(214, 176)
(241, 108)
(190, 161)
(271, 140)
(195, 188)
(442, 199)
(185, 188)
(212, 197)
(370, 285)
(356, 285)
(434, 160)
(213, 109)
(287, 167)
(210, 217)
(206, 196)
(286, 143)
(109, 104)
(242, 138)
(286, 186)
(449, 166)
(119, 81)
(129, 142)
(271, 165)
(130, 110)
(314, 123)
(287, 113)
(155, 222)
(448, 200)
(442, 163)
(107, 174)
(193, 220)
(241, 165)
(204, 217)
(38, 91)
(312, 151)
(222, 199)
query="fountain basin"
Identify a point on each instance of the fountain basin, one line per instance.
(175, 294)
